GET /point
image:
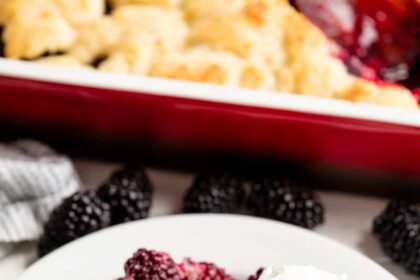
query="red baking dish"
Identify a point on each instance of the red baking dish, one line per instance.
(212, 118)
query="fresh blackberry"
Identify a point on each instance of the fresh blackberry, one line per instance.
(283, 199)
(398, 231)
(80, 214)
(129, 193)
(257, 274)
(191, 270)
(151, 265)
(214, 193)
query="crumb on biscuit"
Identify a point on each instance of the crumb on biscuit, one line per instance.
(34, 31)
(201, 64)
(135, 55)
(67, 61)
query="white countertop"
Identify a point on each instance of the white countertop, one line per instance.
(348, 218)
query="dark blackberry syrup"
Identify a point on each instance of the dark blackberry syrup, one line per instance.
(380, 39)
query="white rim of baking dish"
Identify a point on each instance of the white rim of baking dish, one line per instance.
(199, 91)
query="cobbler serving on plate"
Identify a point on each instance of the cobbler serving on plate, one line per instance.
(257, 44)
(153, 265)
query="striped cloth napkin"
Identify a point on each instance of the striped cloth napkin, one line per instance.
(33, 180)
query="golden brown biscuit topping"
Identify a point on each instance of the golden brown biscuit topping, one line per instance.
(259, 44)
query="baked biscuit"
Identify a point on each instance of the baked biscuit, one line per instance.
(167, 24)
(257, 75)
(37, 29)
(382, 94)
(75, 11)
(163, 3)
(96, 39)
(78, 11)
(67, 61)
(259, 44)
(104, 37)
(310, 68)
(264, 11)
(237, 35)
(134, 55)
(201, 64)
(198, 9)
(8, 9)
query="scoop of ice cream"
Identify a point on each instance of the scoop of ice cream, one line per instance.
(298, 273)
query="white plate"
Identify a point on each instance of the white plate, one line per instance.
(238, 243)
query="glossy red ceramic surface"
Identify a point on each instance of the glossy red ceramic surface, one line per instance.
(213, 125)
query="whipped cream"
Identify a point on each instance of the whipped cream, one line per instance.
(298, 273)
